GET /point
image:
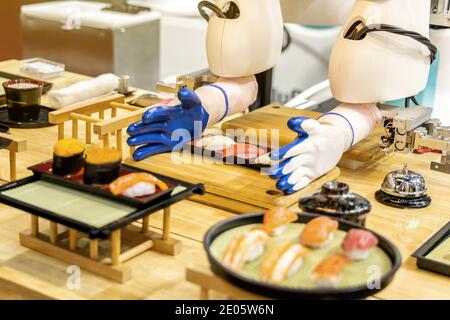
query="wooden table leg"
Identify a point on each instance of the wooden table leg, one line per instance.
(34, 225)
(12, 166)
(53, 232)
(93, 248)
(115, 247)
(145, 224)
(73, 239)
(204, 293)
(166, 224)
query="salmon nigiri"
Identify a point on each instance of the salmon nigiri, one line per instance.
(277, 219)
(136, 185)
(244, 248)
(329, 272)
(318, 232)
(282, 262)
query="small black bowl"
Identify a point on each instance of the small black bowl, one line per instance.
(103, 173)
(23, 98)
(280, 292)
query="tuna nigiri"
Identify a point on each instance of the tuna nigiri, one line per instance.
(136, 185)
(245, 248)
(282, 262)
(329, 272)
(244, 151)
(318, 232)
(277, 219)
(357, 244)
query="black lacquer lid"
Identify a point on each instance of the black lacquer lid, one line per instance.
(335, 198)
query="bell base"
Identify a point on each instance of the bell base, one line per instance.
(403, 203)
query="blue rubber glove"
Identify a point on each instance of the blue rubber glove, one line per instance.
(165, 129)
(316, 150)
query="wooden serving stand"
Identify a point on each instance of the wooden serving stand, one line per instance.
(124, 244)
(276, 117)
(15, 145)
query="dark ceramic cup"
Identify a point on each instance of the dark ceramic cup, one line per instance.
(23, 98)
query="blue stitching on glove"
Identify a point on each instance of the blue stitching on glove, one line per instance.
(226, 100)
(340, 115)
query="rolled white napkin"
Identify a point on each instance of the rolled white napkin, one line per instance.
(84, 90)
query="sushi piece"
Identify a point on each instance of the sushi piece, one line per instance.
(102, 166)
(318, 232)
(68, 156)
(245, 248)
(244, 151)
(282, 262)
(358, 243)
(276, 220)
(135, 185)
(215, 142)
(328, 274)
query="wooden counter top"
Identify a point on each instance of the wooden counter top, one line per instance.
(28, 274)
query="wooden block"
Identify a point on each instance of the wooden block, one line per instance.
(120, 274)
(207, 280)
(136, 250)
(228, 186)
(170, 247)
(166, 224)
(12, 166)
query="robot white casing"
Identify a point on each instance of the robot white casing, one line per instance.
(382, 66)
(249, 44)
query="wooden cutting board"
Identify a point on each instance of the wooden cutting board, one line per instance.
(232, 187)
(275, 117)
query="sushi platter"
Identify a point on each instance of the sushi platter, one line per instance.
(246, 252)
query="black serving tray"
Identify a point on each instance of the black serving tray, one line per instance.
(428, 264)
(220, 158)
(103, 232)
(11, 76)
(280, 292)
(40, 122)
(75, 181)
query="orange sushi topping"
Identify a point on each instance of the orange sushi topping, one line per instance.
(122, 183)
(318, 231)
(277, 217)
(103, 155)
(68, 147)
(331, 266)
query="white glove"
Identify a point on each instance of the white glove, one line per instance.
(320, 144)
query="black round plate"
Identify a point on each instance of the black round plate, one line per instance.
(280, 292)
(403, 203)
(41, 122)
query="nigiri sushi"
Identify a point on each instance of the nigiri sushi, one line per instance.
(136, 185)
(276, 220)
(357, 244)
(328, 273)
(282, 262)
(245, 248)
(215, 142)
(244, 151)
(318, 232)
